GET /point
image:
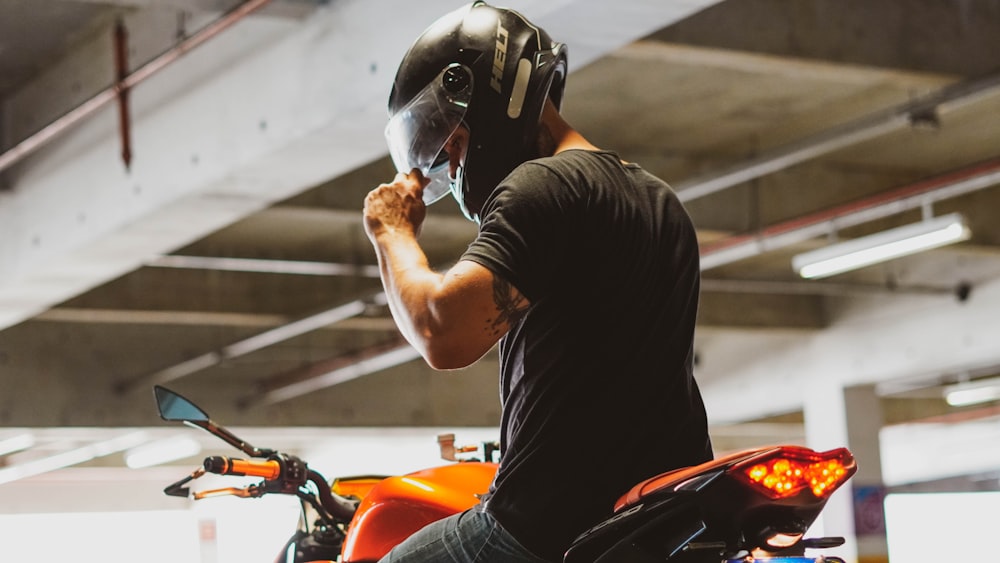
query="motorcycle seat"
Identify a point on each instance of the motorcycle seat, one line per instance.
(672, 478)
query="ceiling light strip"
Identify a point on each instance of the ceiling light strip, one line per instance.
(972, 396)
(161, 451)
(16, 443)
(72, 457)
(973, 391)
(880, 247)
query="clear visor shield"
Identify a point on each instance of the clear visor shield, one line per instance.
(417, 133)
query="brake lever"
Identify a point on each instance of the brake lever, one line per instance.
(252, 491)
(178, 489)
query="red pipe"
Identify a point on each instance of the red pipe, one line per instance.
(121, 67)
(50, 131)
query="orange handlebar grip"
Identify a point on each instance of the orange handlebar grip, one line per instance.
(268, 469)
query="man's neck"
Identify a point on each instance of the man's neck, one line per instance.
(564, 137)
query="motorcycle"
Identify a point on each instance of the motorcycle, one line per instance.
(753, 506)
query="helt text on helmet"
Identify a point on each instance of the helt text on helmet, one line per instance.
(499, 58)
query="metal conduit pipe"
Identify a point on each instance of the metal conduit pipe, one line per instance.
(111, 93)
(253, 343)
(333, 372)
(780, 235)
(920, 110)
(813, 287)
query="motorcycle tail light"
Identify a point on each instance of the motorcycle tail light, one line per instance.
(789, 470)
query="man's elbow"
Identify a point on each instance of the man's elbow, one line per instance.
(446, 361)
(444, 356)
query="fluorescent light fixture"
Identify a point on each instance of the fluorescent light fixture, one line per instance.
(161, 451)
(886, 245)
(72, 457)
(16, 444)
(973, 392)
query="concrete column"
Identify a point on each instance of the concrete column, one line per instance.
(864, 419)
(825, 419)
(851, 417)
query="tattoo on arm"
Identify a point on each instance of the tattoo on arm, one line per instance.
(512, 306)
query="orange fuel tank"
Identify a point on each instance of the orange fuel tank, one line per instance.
(398, 506)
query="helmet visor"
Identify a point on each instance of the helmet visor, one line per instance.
(417, 133)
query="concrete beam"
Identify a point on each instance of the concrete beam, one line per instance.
(261, 113)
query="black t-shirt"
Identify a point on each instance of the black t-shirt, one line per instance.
(596, 379)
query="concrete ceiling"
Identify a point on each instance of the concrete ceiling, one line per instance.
(228, 261)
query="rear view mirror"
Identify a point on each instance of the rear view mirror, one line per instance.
(172, 406)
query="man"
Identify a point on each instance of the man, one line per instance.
(585, 269)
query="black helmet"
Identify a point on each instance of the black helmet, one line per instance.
(489, 69)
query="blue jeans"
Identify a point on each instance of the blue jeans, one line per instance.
(473, 536)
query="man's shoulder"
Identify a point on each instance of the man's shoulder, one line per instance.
(570, 168)
(574, 158)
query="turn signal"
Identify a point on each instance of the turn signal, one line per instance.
(788, 470)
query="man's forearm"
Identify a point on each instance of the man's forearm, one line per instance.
(408, 282)
(450, 318)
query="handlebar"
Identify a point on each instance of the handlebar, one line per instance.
(282, 473)
(339, 506)
(267, 469)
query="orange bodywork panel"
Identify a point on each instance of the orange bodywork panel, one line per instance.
(396, 507)
(355, 487)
